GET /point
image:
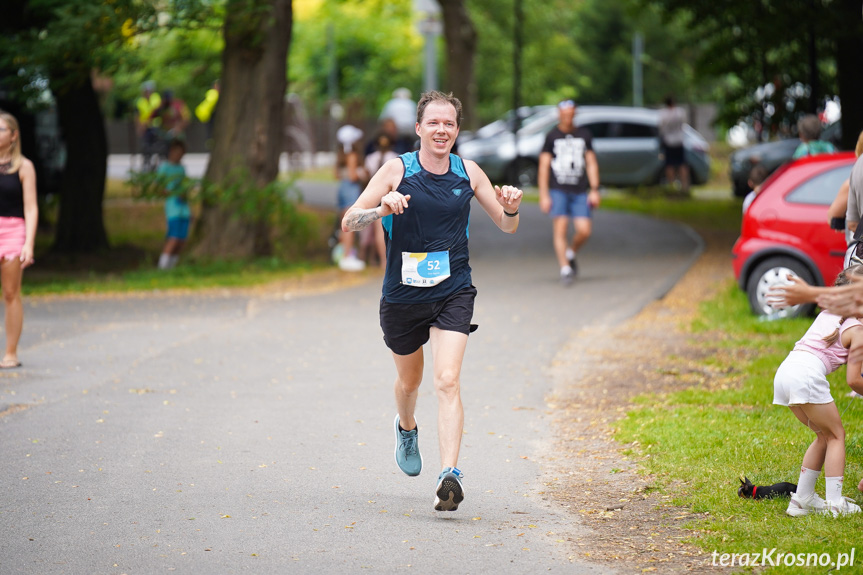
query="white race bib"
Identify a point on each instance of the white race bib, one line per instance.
(424, 269)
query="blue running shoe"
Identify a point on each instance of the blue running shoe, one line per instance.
(408, 455)
(450, 491)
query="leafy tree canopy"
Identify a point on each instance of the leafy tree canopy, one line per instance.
(787, 48)
(377, 48)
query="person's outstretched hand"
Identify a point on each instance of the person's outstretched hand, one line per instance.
(795, 292)
(845, 301)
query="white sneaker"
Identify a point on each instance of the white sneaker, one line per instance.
(800, 506)
(844, 506)
(566, 275)
(352, 264)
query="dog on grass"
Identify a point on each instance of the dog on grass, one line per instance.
(750, 491)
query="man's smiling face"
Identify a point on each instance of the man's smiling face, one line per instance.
(439, 127)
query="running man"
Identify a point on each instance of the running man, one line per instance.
(424, 199)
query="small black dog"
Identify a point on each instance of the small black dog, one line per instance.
(750, 491)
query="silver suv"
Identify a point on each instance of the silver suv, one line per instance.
(625, 140)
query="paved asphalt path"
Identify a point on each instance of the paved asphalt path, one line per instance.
(233, 434)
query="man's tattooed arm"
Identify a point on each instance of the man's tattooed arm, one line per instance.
(357, 219)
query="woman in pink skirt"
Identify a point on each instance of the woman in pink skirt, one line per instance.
(19, 214)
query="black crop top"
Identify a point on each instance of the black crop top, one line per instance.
(11, 196)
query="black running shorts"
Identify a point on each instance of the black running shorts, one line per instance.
(406, 325)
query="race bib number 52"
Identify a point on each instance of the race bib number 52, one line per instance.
(425, 269)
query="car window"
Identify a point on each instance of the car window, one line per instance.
(629, 130)
(597, 129)
(820, 189)
(540, 122)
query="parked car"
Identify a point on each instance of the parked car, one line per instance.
(771, 155)
(625, 140)
(502, 124)
(785, 230)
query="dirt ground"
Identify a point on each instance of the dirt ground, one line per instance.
(630, 524)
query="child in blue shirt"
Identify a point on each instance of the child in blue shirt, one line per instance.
(177, 212)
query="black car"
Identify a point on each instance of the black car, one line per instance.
(771, 155)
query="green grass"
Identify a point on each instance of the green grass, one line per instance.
(136, 231)
(695, 443)
(698, 442)
(189, 276)
(704, 214)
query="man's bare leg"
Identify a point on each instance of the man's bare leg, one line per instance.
(409, 376)
(448, 349)
(407, 451)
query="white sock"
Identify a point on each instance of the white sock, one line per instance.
(834, 488)
(806, 482)
(565, 270)
(164, 261)
(570, 253)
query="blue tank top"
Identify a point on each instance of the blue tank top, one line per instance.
(437, 219)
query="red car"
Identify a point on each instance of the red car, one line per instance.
(786, 230)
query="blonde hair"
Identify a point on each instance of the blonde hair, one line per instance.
(15, 150)
(859, 148)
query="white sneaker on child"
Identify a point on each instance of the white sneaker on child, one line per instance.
(800, 506)
(845, 506)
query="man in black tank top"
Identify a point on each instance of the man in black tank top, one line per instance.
(424, 199)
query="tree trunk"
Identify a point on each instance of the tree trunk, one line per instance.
(461, 54)
(849, 62)
(80, 227)
(247, 132)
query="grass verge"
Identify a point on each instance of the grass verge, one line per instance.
(136, 231)
(697, 442)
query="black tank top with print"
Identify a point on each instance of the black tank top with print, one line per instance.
(11, 196)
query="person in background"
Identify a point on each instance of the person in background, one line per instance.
(349, 173)
(568, 180)
(148, 133)
(399, 144)
(809, 132)
(838, 209)
(172, 116)
(374, 234)
(177, 212)
(146, 104)
(204, 111)
(401, 109)
(671, 120)
(757, 175)
(19, 215)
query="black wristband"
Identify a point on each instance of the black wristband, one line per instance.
(509, 215)
(837, 223)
